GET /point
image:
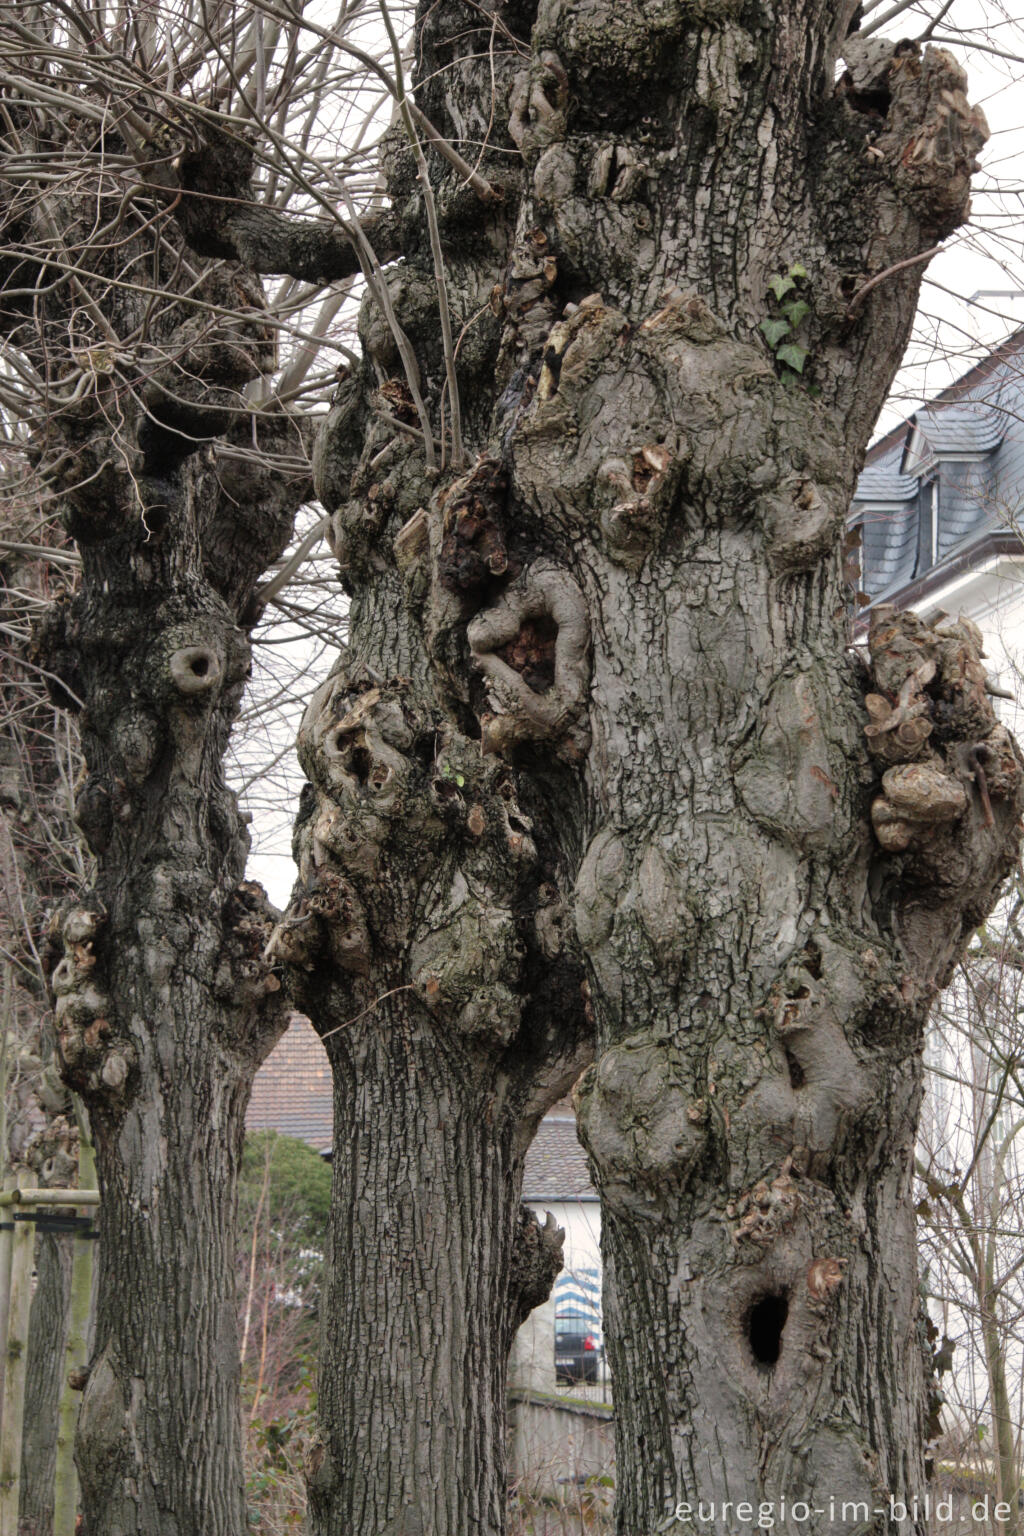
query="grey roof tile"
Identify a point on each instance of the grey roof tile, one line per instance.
(883, 483)
(975, 426)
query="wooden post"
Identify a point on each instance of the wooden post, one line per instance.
(65, 1486)
(16, 1362)
(6, 1249)
(7, 1019)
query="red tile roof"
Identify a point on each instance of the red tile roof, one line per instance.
(292, 1093)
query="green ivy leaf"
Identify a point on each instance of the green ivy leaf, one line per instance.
(793, 355)
(795, 311)
(798, 269)
(780, 286)
(460, 780)
(774, 330)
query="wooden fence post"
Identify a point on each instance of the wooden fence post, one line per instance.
(16, 1361)
(6, 1249)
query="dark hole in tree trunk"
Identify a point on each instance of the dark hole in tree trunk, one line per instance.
(360, 762)
(200, 666)
(765, 1323)
(532, 652)
(797, 1076)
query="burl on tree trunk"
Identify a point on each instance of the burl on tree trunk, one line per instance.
(600, 701)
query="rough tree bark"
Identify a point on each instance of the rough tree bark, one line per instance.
(598, 702)
(164, 1003)
(626, 615)
(41, 861)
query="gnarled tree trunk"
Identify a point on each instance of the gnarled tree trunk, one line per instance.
(164, 1004)
(676, 327)
(429, 946)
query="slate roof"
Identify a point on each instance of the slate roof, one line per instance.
(292, 1093)
(556, 1165)
(971, 466)
(882, 482)
(974, 427)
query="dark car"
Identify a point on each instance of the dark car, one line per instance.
(577, 1354)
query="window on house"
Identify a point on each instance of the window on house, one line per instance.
(928, 534)
(932, 493)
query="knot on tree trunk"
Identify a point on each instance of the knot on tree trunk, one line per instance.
(246, 976)
(415, 860)
(536, 1260)
(931, 135)
(388, 487)
(473, 550)
(533, 649)
(673, 425)
(95, 1060)
(642, 1123)
(953, 790)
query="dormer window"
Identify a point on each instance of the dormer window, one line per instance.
(934, 488)
(918, 456)
(928, 540)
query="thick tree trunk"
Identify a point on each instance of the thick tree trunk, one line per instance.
(164, 1010)
(161, 1453)
(164, 1003)
(677, 327)
(428, 1272)
(429, 936)
(431, 957)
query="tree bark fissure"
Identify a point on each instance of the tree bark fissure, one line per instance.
(422, 1232)
(427, 947)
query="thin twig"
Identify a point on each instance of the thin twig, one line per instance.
(408, 987)
(911, 261)
(264, 594)
(430, 207)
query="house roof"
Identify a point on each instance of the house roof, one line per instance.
(974, 427)
(883, 482)
(556, 1165)
(1003, 360)
(293, 1093)
(959, 459)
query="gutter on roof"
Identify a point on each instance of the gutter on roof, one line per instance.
(562, 1199)
(970, 561)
